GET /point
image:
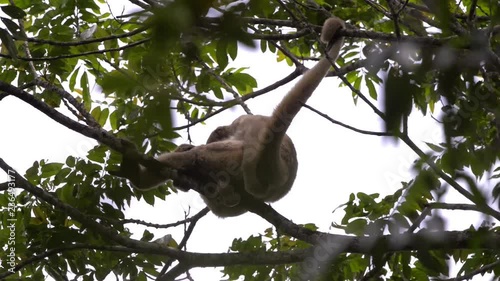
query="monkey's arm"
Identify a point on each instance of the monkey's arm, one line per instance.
(221, 133)
(272, 171)
(300, 93)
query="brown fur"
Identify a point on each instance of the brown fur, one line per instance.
(252, 156)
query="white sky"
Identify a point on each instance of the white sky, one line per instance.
(333, 161)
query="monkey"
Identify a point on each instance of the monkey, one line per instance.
(251, 157)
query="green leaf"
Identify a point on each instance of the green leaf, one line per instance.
(218, 93)
(97, 154)
(221, 54)
(114, 119)
(232, 49)
(149, 197)
(8, 75)
(147, 236)
(12, 27)
(400, 220)
(70, 161)
(195, 113)
(101, 116)
(84, 82)
(244, 82)
(61, 176)
(356, 227)
(351, 76)
(13, 11)
(371, 88)
(434, 147)
(8, 42)
(158, 113)
(398, 99)
(50, 169)
(72, 79)
(432, 263)
(263, 46)
(203, 82)
(119, 83)
(96, 112)
(357, 83)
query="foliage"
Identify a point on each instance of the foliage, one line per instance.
(166, 57)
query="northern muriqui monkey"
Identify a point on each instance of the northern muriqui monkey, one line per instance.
(252, 156)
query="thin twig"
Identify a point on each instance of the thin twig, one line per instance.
(83, 42)
(87, 117)
(484, 208)
(395, 19)
(229, 104)
(182, 245)
(473, 273)
(25, 44)
(472, 12)
(364, 132)
(51, 58)
(226, 86)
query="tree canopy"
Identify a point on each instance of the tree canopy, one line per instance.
(159, 59)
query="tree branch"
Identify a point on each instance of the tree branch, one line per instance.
(182, 245)
(83, 42)
(67, 248)
(485, 208)
(80, 54)
(230, 103)
(100, 135)
(326, 243)
(296, 73)
(473, 273)
(364, 132)
(237, 98)
(196, 217)
(87, 117)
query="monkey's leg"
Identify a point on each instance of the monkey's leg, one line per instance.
(183, 147)
(141, 177)
(216, 166)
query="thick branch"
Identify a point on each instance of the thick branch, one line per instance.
(100, 135)
(328, 243)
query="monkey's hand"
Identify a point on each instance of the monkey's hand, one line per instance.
(330, 32)
(219, 134)
(129, 167)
